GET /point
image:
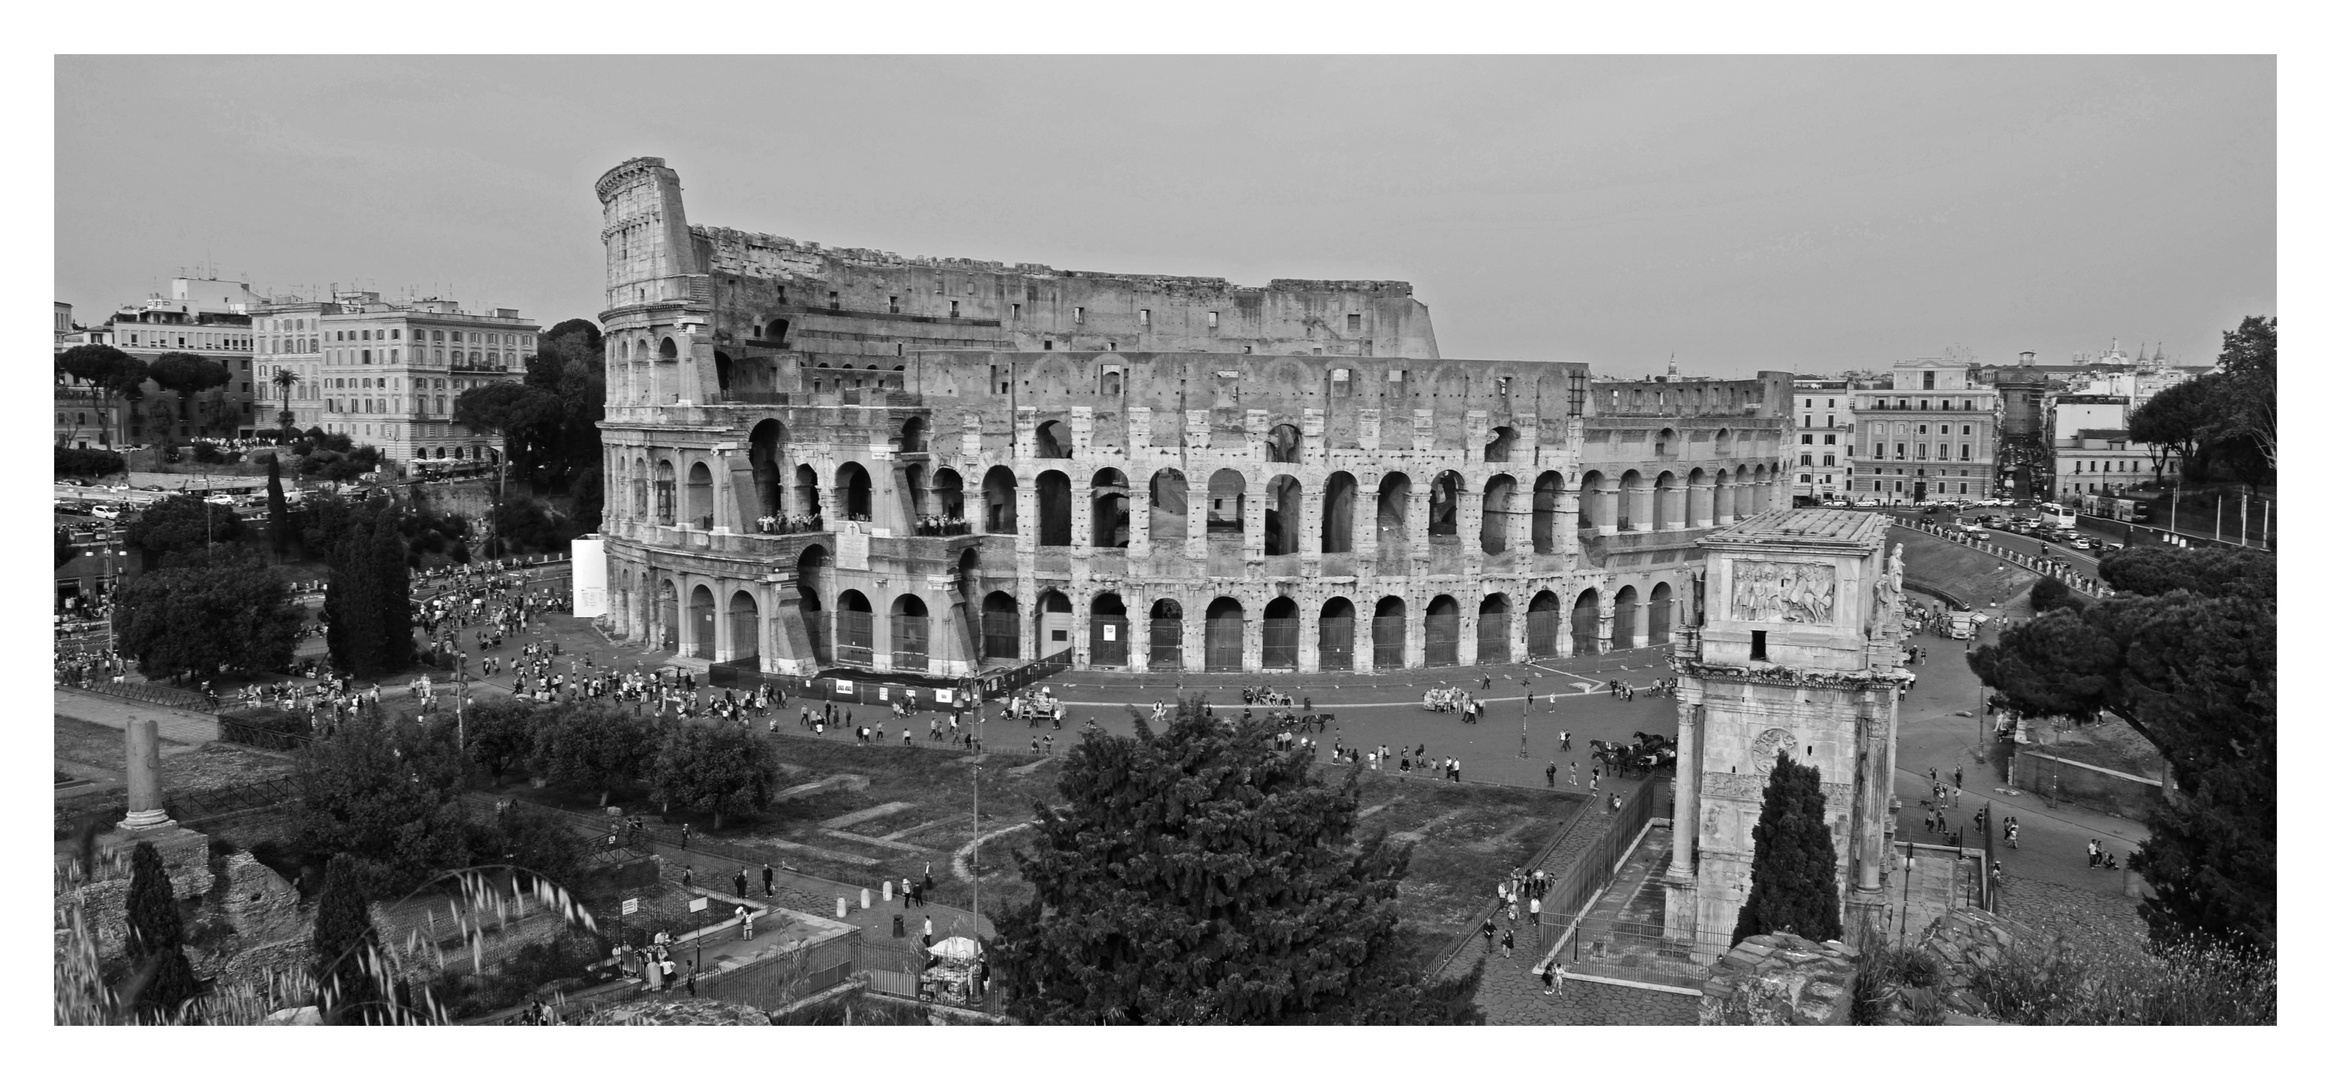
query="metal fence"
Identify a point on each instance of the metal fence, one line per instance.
(1567, 895)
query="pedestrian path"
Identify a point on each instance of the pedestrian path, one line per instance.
(174, 725)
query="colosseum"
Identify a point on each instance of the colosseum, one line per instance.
(824, 460)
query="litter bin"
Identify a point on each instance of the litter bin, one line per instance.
(898, 926)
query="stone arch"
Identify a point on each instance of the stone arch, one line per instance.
(1112, 510)
(669, 350)
(1226, 502)
(811, 569)
(639, 488)
(1667, 497)
(702, 630)
(1492, 640)
(721, 367)
(1626, 617)
(912, 436)
(910, 634)
(1726, 497)
(999, 493)
(1442, 509)
(767, 455)
(1498, 513)
(667, 493)
(853, 628)
(744, 626)
(1501, 444)
(1441, 631)
(1392, 495)
(1053, 513)
(1284, 443)
(1055, 622)
(1543, 632)
(700, 495)
(1335, 634)
(1697, 510)
(1169, 507)
(1665, 444)
(1111, 631)
(1545, 501)
(1335, 525)
(947, 486)
(1586, 624)
(1389, 629)
(808, 503)
(1053, 440)
(1282, 629)
(1165, 635)
(1282, 515)
(1597, 505)
(999, 626)
(1634, 501)
(1662, 613)
(856, 487)
(1225, 635)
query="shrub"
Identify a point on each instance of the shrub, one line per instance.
(72, 461)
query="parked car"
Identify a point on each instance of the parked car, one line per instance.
(106, 512)
(220, 499)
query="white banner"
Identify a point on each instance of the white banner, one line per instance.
(590, 577)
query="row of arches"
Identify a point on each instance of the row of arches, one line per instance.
(1344, 634)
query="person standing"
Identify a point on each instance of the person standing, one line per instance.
(746, 914)
(1560, 973)
(684, 832)
(1505, 943)
(1546, 975)
(1456, 770)
(1959, 776)
(926, 931)
(768, 880)
(742, 889)
(1534, 910)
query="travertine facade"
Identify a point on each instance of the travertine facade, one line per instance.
(1150, 472)
(1797, 648)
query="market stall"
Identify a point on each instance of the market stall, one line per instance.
(952, 974)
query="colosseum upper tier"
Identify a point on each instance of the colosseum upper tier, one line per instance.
(825, 459)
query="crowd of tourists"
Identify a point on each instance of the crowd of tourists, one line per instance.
(780, 524)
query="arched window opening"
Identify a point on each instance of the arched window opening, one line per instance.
(1052, 508)
(1226, 503)
(1112, 516)
(1282, 515)
(1169, 507)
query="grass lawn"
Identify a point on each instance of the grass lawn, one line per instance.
(2112, 744)
(93, 744)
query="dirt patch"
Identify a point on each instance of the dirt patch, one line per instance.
(1963, 572)
(93, 744)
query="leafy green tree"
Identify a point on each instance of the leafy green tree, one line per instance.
(163, 979)
(344, 955)
(369, 626)
(186, 375)
(2246, 389)
(502, 733)
(1792, 880)
(715, 768)
(207, 611)
(183, 522)
(595, 746)
(2176, 419)
(2051, 593)
(115, 374)
(1197, 875)
(2185, 654)
(534, 840)
(388, 793)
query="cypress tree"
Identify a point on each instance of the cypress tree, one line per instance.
(278, 511)
(1792, 883)
(370, 629)
(163, 977)
(345, 947)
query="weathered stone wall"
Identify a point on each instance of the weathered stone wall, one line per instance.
(1781, 980)
(1292, 459)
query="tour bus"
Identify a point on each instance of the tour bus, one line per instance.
(2055, 516)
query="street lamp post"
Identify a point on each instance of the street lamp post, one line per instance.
(1909, 863)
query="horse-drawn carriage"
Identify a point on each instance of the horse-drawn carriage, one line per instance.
(1648, 754)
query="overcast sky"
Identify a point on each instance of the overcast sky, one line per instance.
(1809, 214)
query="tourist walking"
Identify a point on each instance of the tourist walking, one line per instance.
(1505, 943)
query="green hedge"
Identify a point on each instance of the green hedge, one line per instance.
(72, 461)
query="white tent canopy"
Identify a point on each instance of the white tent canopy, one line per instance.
(956, 948)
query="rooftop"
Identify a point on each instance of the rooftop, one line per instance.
(1826, 526)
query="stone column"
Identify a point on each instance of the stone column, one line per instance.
(1702, 505)
(1468, 636)
(1639, 506)
(1469, 513)
(1727, 499)
(145, 777)
(1250, 632)
(1687, 792)
(1606, 618)
(1080, 513)
(1412, 655)
(1566, 527)
(1250, 516)
(1136, 627)
(1606, 506)
(1136, 524)
(1363, 633)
